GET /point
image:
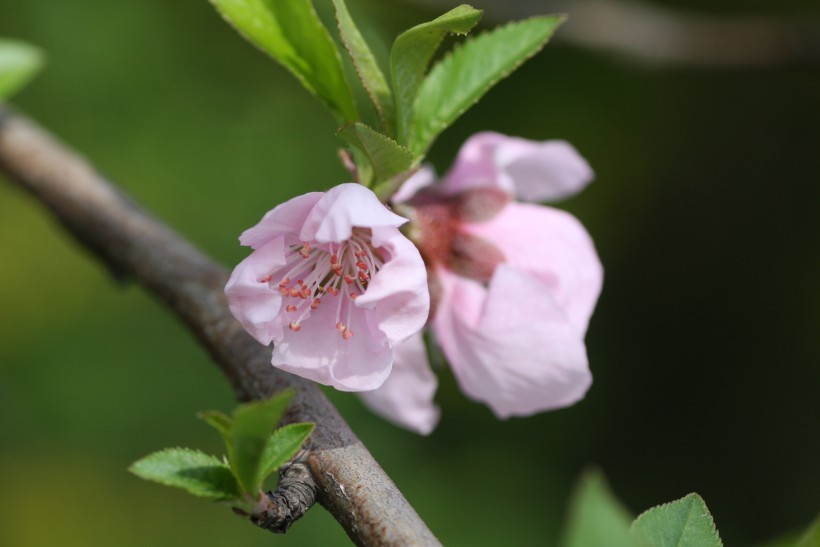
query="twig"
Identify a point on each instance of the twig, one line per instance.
(294, 495)
(659, 35)
(132, 243)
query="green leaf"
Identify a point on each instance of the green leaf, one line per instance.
(221, 422)
(291, 32)
(788, 540)
(682, 523)
(282, 445)
(812, 536)
(596, 518)
(19, 63)
(465, 75)
(366, 66)
(252, 427)
(199, 474)
(809, 538)
(412, 51)
(387, 157)
(364, 170)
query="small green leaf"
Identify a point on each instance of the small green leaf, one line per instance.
(682, 523)
(465, 75)
(292, 33)
(596, 518)
(219, 421)
(366, 66)
(387, 157)
(412, 51)
(252, 427)
(199, 474)
(19, 63)
(282, 445)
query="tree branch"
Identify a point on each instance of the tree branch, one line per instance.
(133, 244)
(659, 35)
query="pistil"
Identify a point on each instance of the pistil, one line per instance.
(341, 271)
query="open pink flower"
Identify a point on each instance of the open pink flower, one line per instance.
(334, 284)
(513, 284)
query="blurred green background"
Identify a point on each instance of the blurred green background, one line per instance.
(705, 344)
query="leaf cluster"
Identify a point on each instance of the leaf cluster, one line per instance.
(413, 101)
(255, 451)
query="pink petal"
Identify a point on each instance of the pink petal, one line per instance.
(286, 218)
(420, 179)
(406, 397)
(397, 297)
(475, 166)
(253, 302)
(511, 346)
(554, 248)
(542, 171)
(319, 353)
(527, 170)
(341, 209)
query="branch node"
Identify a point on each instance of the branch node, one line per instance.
(294, 495)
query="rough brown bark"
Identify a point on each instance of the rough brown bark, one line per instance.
(133, 244)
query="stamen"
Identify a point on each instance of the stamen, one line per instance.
(336, 269)
(265, 278)
(339, 303)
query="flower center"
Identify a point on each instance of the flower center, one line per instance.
(331, 274)
(441, 236)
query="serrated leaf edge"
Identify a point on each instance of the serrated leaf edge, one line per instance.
(158, 480)
(441, 125)
(401, 115)
(413, 159)
(264, 473)
(378, 134)
(694, 496)
(375, 98)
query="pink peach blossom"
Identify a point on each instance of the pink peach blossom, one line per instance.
(406, 396)
(334, 284)
(513, 284)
